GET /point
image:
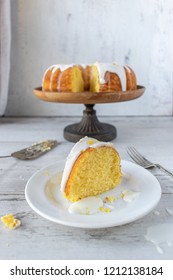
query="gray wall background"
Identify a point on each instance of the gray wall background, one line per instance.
(136, 32)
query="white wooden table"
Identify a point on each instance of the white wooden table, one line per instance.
(39, 238)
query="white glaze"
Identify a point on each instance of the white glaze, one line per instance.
(129, 195)
(62, 67)
(159, 234)
(113, 68)
(127, 68)
(80, 146)
(84, 65)
(51, 67)
(53, 193)
(88, 205)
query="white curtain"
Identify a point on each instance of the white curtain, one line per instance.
(5, 43)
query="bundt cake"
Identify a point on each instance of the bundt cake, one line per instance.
(98, 77)
(92, 168)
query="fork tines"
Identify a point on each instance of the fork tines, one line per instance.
(137, 157)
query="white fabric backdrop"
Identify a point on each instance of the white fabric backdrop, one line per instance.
(5, 40)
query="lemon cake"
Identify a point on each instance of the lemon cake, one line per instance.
(92, 167)
(97, 77)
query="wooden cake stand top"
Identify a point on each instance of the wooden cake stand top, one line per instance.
(88, 97)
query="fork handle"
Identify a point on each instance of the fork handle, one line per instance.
(164, 170)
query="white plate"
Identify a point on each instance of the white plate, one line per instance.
(44, 197)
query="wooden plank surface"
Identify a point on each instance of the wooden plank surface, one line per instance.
(38, 238)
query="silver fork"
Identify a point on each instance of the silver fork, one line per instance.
(141, 160)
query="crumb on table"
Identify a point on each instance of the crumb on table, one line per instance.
(10, 221)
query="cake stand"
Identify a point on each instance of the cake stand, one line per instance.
(89, 124)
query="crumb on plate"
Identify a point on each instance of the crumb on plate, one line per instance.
(104, 209)
(110, 199)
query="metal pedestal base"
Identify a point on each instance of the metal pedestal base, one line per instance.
(91, 127)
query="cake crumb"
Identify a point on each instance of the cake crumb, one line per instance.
(87, 211)
(10, 221)
(123, 194)
(110, 199)
(46, 173)
(92, 141)
(104, 209)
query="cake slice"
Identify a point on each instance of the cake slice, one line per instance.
(92, 168)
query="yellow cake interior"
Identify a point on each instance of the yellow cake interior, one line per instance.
(77, 80)
(94, 80)
(94, 172)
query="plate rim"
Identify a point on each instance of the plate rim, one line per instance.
(84, 225)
